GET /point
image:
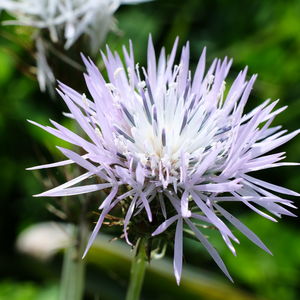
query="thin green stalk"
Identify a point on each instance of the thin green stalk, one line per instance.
(137, 271)
(73, 272)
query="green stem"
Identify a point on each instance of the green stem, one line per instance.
(137, 271)
(73, 272)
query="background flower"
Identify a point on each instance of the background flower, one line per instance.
(66, 21)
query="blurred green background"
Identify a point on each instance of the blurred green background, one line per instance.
(261, 34)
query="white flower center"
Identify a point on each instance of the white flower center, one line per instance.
(167, 131)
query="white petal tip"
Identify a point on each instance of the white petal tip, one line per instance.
(236, 240)
(268, 251)
(45, 194)
(85, 253)
(177, 279)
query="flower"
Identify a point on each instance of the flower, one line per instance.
(70, 18)
(172, 147)
(65, 20)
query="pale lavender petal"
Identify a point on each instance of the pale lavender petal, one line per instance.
(70, 182)
(78, 159)
(53, 131)
(178, 251)
(211, 250)
(162, 205)
(212, 216)
(140, 174)
(266, 146)
(198, 77)
(53, 165)
(98, 226)
(146, 205)
(219, 187)
(185, 212)
(163, 226)
(228, 243)
(242, 199)
(110, 197)
(127, 219)
(81, 120)
(77, 140)
(242, 228)
(151, 62)
(271, 186)
(75, 190)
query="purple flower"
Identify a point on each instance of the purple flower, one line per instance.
(175, 145)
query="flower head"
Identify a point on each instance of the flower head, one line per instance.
(172, 147)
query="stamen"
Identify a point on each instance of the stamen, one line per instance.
(223, 130)
(149, 92)
(121, 155)
(111, 87)
(192, 102)
(117, 71)
(84, 100)
(204, 120)
(210, 79)
(125, 135)
(146, 107)
(128, 115)
(154, 112)
(155, 125)
(163, 137)
(141, 84)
